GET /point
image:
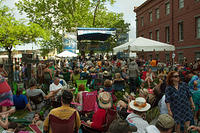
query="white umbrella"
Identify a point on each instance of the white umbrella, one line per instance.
(66, 54)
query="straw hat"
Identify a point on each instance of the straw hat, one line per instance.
(165, 121)
(139, 104)
(92, 69)
(105, 100)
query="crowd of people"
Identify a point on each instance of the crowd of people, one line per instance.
(141, 96)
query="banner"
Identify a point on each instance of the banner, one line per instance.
(70, 42)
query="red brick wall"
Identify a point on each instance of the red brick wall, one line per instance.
(186, 14)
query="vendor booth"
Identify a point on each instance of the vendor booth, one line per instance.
(145, 45)
(66, 54)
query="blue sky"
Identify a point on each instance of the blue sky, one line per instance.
(121, 6)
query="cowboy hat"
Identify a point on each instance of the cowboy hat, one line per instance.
(92, 69)
(105, 100)
(106, 73)
(139, 104)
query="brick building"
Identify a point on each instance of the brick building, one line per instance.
(176, 22)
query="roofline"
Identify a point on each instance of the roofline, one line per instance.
(139, 7)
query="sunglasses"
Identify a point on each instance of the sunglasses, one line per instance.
(176, 76)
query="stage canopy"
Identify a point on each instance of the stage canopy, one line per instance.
(144, 44)
(66, 54)
(100, 34)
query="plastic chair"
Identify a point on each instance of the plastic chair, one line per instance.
(83, 82)
(58, 125)
(119, 85)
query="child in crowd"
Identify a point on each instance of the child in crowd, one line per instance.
(38, 120)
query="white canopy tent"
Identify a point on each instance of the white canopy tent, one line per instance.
(144, 44)
(66, 54)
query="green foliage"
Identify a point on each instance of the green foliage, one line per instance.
(60, 16)
(13, 32)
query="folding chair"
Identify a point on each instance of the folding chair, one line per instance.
(35, 128)
(36, 100)
(119, 85)
(58, 125)
(97, 83)
(83, 82)
(89, 101)
(110, 116)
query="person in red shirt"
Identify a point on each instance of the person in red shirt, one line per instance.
(99, 117)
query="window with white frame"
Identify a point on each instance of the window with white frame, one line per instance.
(197, 55)
(150, 17)
(180, 58)
(157, 35)
(167, 34)
(142, 21)
(150, 35)
(198, 27)
(157, 13)
(180, 31)
(167, 8)
(181, 3)
(167, 57)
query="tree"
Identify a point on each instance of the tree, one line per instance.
(59, 16)
(98, 3)
(13, 32)
(62, 16)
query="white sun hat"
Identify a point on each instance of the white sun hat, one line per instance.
(139, 104)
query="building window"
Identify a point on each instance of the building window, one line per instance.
(180, 58)
(167, 8)
(150, 56)
(181, 3)
(142, 21)
(197, 55)
(150, 35)
(150, 16)
(167, 34)
(157, 56)
(198, 27)
(180, 31)
(157, 35)
(157, 13)
(167, 57)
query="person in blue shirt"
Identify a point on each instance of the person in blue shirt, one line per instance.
(194, 86)
(20, 101)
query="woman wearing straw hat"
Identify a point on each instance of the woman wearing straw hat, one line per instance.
(139, 107)
(99, 117)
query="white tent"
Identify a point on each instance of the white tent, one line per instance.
(66, 53)
(144, 44)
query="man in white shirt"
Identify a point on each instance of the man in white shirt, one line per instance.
(55, 87)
